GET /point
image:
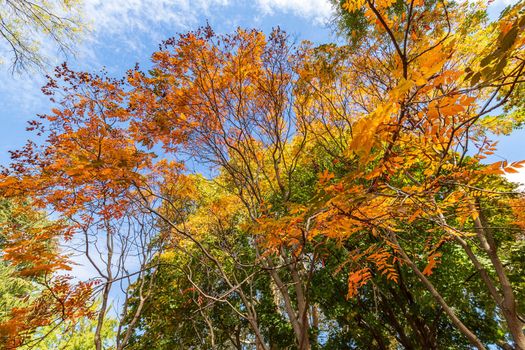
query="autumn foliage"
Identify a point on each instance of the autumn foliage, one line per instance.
(267, 166)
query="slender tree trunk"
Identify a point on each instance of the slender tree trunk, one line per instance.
(473, 339)
(425, 337)
(102, 316)
(107, 286)
(508, 303)
(505, 300)
(392, 318)
(302, 308)
(298, 316)
(143, 297)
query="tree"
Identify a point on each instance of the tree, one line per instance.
(423, 115)
(347, 166)
(25, 24)
(34, 296)
(99, 212)
(73, 336)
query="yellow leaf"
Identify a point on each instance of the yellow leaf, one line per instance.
(353, 5)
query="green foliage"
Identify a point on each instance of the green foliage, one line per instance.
(25, 24)
(352, 25)
(76, 336)
(15, 291)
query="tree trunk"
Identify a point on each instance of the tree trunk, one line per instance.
(473, 339)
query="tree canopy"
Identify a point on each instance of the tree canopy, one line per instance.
(250, 192)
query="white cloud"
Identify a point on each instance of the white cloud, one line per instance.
(115, 16)
(145, 16)
(126, 22)
(504, 2)
(318, 10)
(494, 9)
(518, 177)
